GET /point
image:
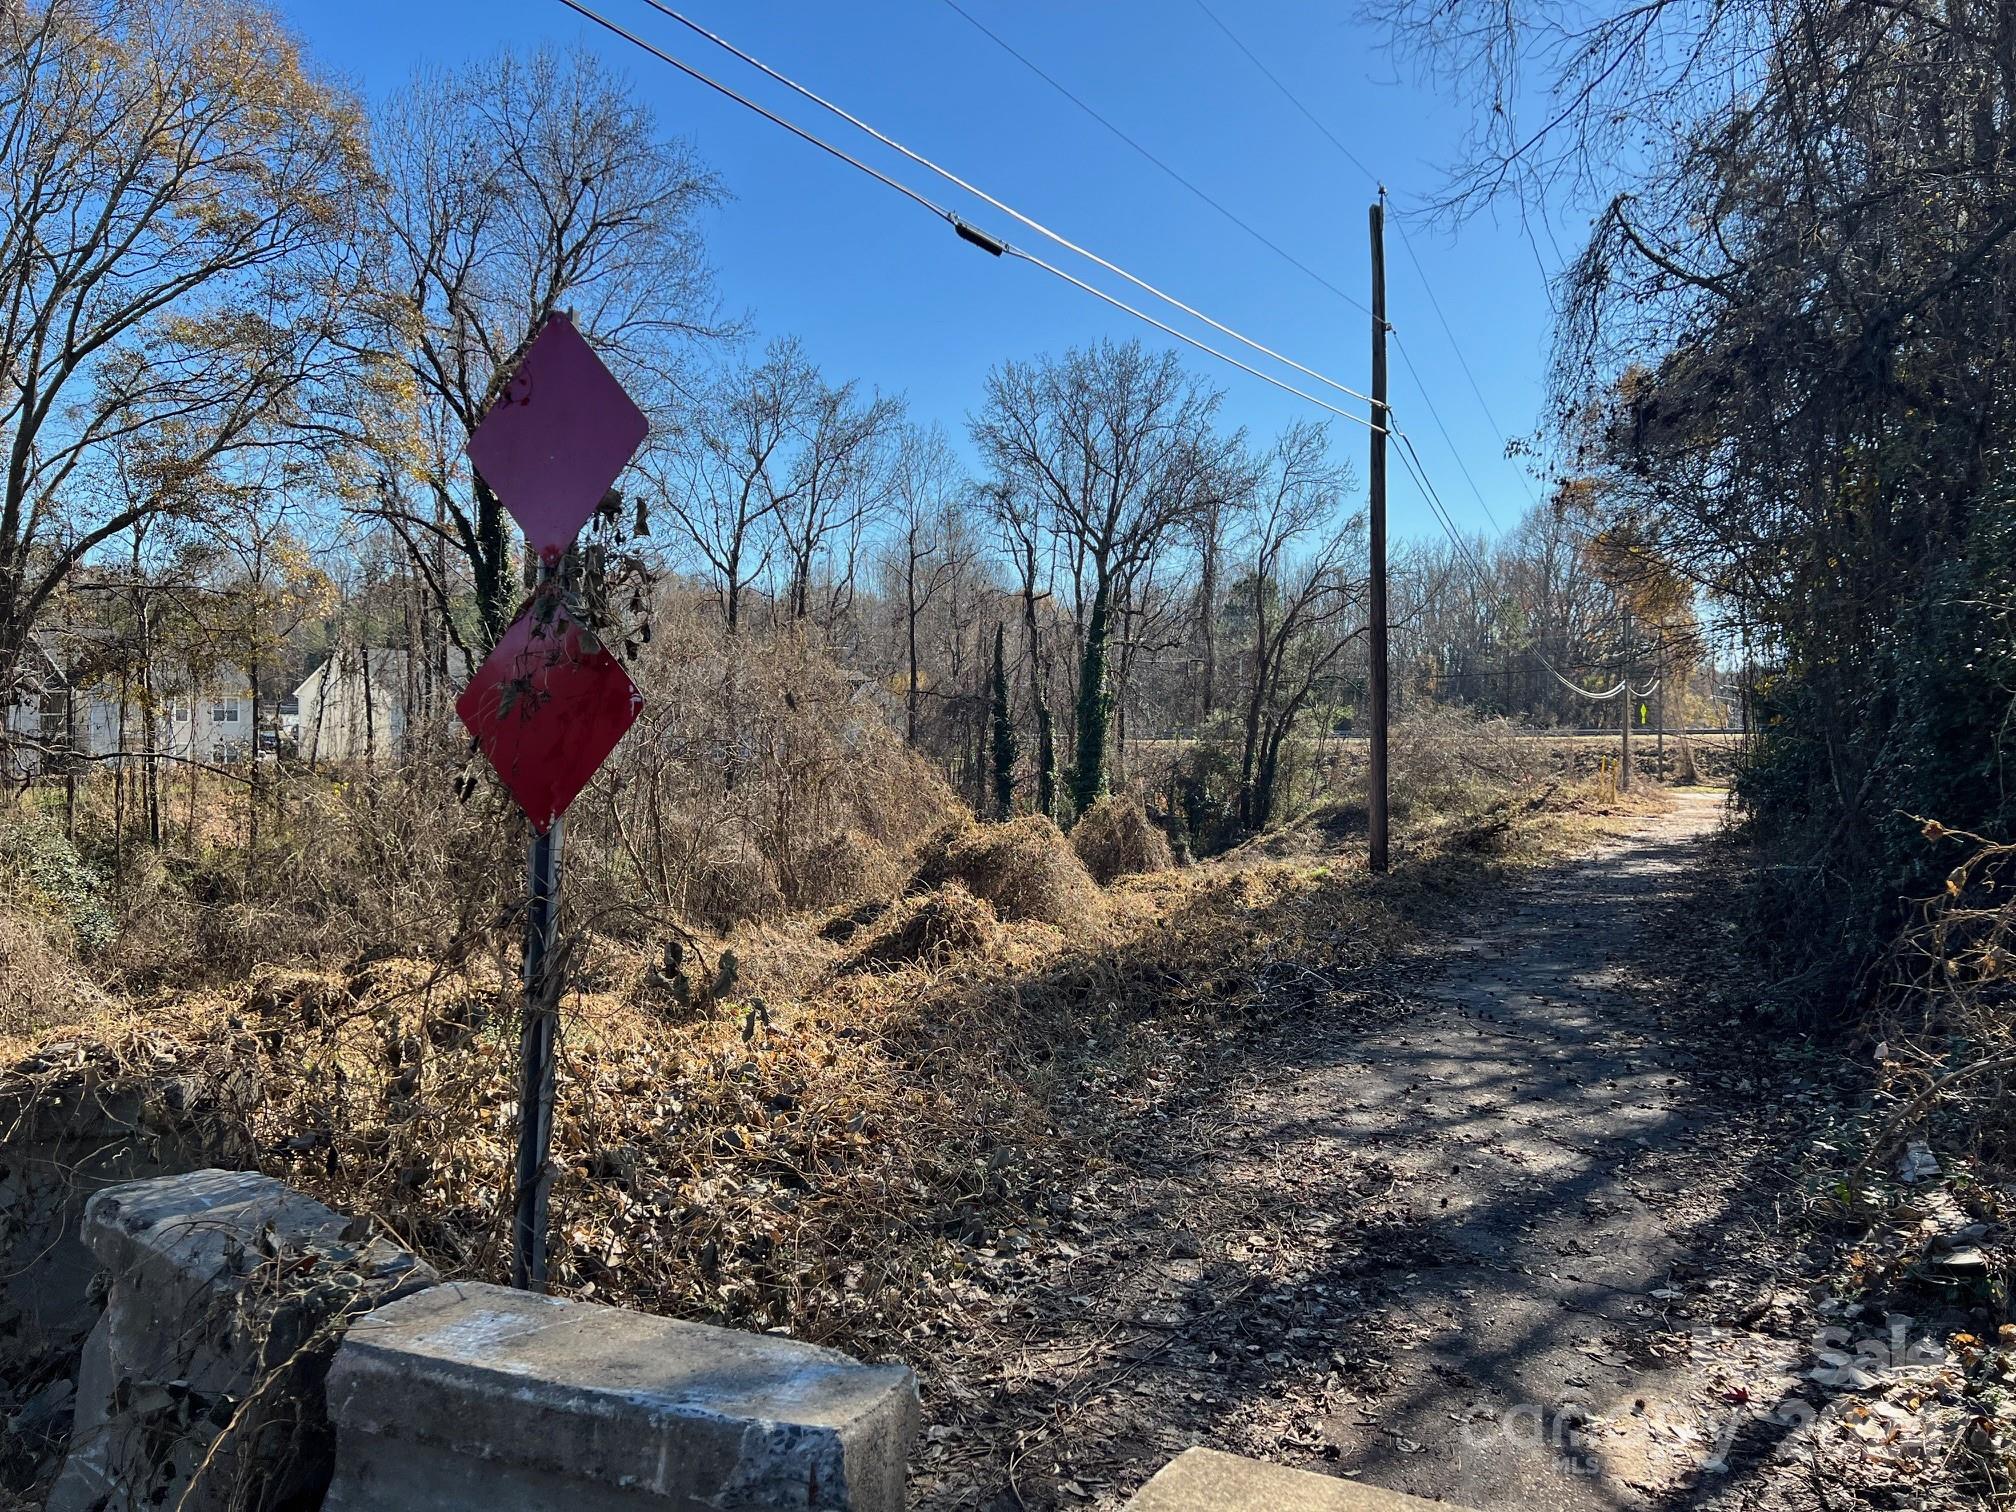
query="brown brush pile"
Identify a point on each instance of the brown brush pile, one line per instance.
(809, 1166)
(1025, 868)
(757, 782)
(728, 886)
(1446, 760)
(845, 867)
(41, 982)
(1116, 838)
(823, 1163)
(943, 925)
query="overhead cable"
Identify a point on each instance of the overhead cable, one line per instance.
(1260, 236)
(1456, 346)
(1289, 94)
(1454, 450)
(965, 229)
(1603, 697)
(1121, 304)
(771, 116)
(1401, 231)
(1411, 456)
(1003, 206)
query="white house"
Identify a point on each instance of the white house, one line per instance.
(211, 725)
(207, 720)
(361, 702)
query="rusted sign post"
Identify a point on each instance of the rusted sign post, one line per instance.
(549, 703)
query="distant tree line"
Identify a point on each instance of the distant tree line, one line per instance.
(249, 326)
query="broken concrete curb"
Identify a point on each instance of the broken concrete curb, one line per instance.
(469, 1394)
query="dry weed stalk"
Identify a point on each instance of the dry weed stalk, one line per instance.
(1950, 1031)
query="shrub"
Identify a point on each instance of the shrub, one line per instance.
(943, 924)
(1443, 757)
(1025, 868)
(46, 875)
(726, 888)
(761, 776)
(1116, 838)
(41, 982)
(844, 867)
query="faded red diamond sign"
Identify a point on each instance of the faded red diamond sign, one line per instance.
(557, 437)
(546, 709)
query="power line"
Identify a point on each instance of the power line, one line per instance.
(1426, 286)
(1007, 209)
(1410, 458)
(1454, 451)
(1417, 469)
(743, 100)
(1434, 502)
(1260, 236)
(966, 230)
(1121, 304)
(1308, 114)
(1456, 346)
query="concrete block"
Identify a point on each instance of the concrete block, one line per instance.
(201, 1386)
(479, 1396)
(70, 1126)
(1206, 1480)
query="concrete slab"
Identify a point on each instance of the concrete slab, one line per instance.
(226, 1292)
(472, 1395)
(1206, 1480)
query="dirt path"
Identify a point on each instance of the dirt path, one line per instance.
(1451, 1238)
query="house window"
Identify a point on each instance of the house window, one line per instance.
(224, 713)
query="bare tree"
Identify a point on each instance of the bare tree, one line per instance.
(839, 482)
(1119, 445)
(1294, 596)
(924, 553)
(725, 475)
(1565, 91)
(175, 180)
(1019, 516)
(513, 189)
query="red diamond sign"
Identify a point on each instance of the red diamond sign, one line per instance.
(557, 437)
(546, 709)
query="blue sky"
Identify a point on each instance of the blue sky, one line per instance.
(881, 291)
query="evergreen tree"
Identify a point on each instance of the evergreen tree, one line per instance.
(1004, 732)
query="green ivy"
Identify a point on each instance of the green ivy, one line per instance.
(51, 877)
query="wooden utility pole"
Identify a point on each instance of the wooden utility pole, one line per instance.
(1626, 698)
(1659, 709)
(1376, 811)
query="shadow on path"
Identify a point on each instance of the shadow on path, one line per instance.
(1466, 1254)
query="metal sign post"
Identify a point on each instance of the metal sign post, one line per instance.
(549, 702)
(537, 1037)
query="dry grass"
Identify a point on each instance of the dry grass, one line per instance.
(1445, 760)
(41, 980)
(818, 1162)
(1116, 838)
(944, 924)
(1025, 868)
(846, 867)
